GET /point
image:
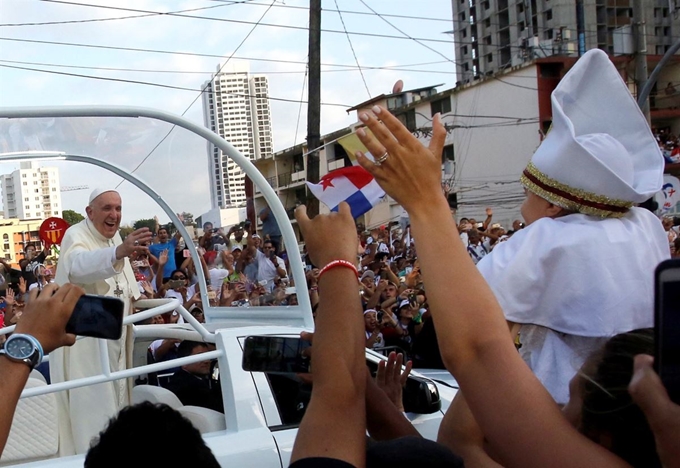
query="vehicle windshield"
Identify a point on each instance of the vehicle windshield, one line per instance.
(184, 169)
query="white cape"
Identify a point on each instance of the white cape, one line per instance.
(582, 278)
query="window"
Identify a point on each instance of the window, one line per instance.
(23, 176)
(465, 50)
(489, 58)
(447, 154)
(5, 246)
(408, 118)
(441, 105)
(5, 237)
(28, 207)
(25, 183)
(26, 199)
(548, 15)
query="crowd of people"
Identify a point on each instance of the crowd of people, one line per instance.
(573, 290)
(669, 144)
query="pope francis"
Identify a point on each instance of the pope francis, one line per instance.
(94, 257)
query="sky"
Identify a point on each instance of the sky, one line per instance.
(388, 39)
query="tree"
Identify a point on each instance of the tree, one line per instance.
(125, 231)
(72, 217)
(149, 223)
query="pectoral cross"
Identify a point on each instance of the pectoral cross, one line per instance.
(118, 292)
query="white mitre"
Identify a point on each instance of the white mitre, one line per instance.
(600, 156)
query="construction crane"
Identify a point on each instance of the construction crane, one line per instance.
(71, 188)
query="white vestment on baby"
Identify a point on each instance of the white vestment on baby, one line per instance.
(88, 259)
(573, 282)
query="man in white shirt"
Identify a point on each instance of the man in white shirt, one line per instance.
(269, 266)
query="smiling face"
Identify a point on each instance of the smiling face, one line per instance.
(370, 321)
(162, 235)
(105, 213)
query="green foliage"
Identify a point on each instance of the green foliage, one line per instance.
(125, 230)
(149, 223)
(72, 217)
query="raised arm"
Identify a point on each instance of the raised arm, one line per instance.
(334, 424)
(45, 320)
(472, 332)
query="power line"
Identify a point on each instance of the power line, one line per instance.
(190, 54)
(356, 12)
(208, 18)
(354, 54)
(203, 89)
(95, 20)
(159, 85)
(436, 51)
(210, 72)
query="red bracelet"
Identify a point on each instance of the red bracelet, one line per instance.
(339, 263)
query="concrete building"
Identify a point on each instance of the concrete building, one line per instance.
(493, 35)
(236, 107)
(31, 192)
(15, 235)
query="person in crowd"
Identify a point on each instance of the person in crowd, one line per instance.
(374, 338)
(94, 257)
(476, 248)
(474, 341)
(43, 276)
(269, 265)
(333, 429)
(270, 228)
(581, 186)
(192, 382)
(130, 429)
(30, 261)
(165, 242)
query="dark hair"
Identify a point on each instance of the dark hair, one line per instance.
(163, 228)
(187, 346)
(178, 271)
(607, 406)
(139, 437)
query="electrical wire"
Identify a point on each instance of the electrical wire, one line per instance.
(199, 94)
(354, 54)
(208, 18)
(160, 85)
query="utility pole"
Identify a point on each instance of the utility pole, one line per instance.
(314, 100)
(640, 53)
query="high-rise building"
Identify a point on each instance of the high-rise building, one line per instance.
(492, 35)
(236, 107)
(31, 192)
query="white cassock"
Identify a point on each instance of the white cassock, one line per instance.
(573, 282)
(88, 259)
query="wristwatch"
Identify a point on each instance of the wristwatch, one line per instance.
(23, 348)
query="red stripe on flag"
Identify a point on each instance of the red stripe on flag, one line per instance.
(359, 176)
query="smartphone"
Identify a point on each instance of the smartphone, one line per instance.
(98, 317)
(667, 326)
(275, 354)
(186, 253)
(176, 284)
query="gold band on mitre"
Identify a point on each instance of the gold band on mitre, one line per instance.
(570, 198)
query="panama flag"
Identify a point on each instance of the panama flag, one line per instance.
(353, 185)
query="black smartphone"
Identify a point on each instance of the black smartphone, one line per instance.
(667, 326)
(275, 354)
(98, 317)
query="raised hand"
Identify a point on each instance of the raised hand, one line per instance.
(409, 172)
(9, 297)
(329, 237)
(22, 285)
(391, 379)
(163, 257)
(135, 243)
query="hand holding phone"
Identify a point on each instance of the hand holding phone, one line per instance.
(667, 326)
(98, 317)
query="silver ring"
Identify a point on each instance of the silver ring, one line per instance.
(136, 243)
(381, 159)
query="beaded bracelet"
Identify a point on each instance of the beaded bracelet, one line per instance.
(339, 263)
